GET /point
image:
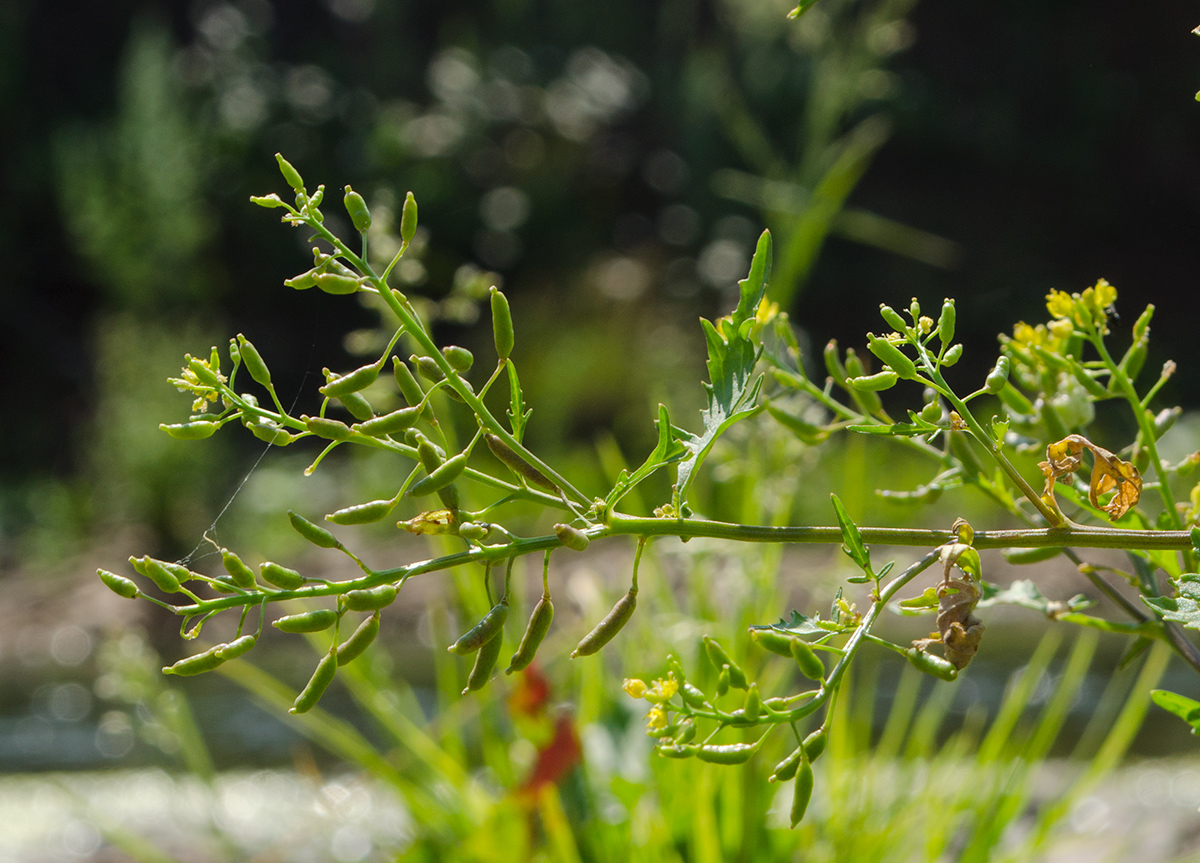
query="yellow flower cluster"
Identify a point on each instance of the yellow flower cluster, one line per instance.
(658, 694)
(1087, 309)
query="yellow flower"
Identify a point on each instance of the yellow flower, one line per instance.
(635, 687)
(1061, 329)
(656, 718)
(766, 312)
(1060, 304)
(662, 691)
(1106, 294)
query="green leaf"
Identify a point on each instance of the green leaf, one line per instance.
(852, 542)
(801, 625)
(1184, 608)
(805, 4)
(669, 449)
(918, 604)
(732, 356)
(1185, 708)
(518, 415)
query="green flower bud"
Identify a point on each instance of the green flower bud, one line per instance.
(318, 536)
(307, 621)
(502, 324)
(317, 684)
(606, 629)
(356, 207)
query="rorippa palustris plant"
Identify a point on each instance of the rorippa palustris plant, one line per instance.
(1040, 395)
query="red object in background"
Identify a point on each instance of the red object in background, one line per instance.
(558, 746)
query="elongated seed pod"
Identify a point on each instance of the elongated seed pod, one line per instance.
(396, 421)
(752, 708)
(445, 474)
(535, 632)
(242, 575)
(571, 537)
(475, 637)
(317, 684)
(304, 281)
(876, 382)
(940, 668)
(203, 372)
(357, 406)
(517, 464)
(803, 792)
(787, 768)
(156, 572)
(270, 433)
(318, 536)
(677, 751)
(408, 218)
(719, 658)
(290, 175)
(409, 388)
(362, 513)
(1020, 556)
(371, 599)
(814, 744)
(235, 648)
(890, 354)
(693, 697)
(473, 532)
(502, 324)
(336, 283)
(952, 356)
(327, 428)
(253, 361)
(460, 359)
(307, 621)
(427, 368)
(810, 664)
(119, 584)
(609, 626)
(356, 208)
(998, 376)
(198, 664)
(485, 662)
(351, 382)
(726, 753)
(353, 647)
(946, 321)
(833, 363)
(892, 317)
(194, 430)
(280, 576)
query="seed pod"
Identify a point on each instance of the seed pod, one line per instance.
(270, 201)
(803, 792)
(409, 388)
(890, 354)
(307, 621)
(677, 751)
(609, 626)
(1015, 400)
(327, 428)
(318, 536)
(1088, 382)
(485, 662)
(753, 706)
(892, 317)
(446, 473)
(1132, 362)
(427, 368)
(408, 219)
(946, 322)
(502, 324)
(571, 537)
(931, 664)
(203, 372)
(787, 768)
(242, 575)
(686, 732)
(336, 283)
(516, 464)
(998, 376)
(194, 430)
(371, 599)
(357, 406)
(475, 637)
(814, 744)
(726, 753)
(772, 640)
(353, 647)
(718, 657)
(693, 697)
(317, 684)
(356, 208)
(876, 382)
(1020, 556)
(362, 513)
(351, 382)
(119, 584)
(304, 281)
(952, 356)
(156, 572)
(235, 648)
(723, 680)
(1165, 419)
(460, 359)
(290, 175)
(805, 431)
(833, 364)
(396, 421)
(280, 576)
(198, 664)
(932, 412)
(253, 361)
(268, 432)
(535, 631)
(810, 664)
(473, 531)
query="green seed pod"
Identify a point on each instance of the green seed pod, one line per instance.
(317, 684)
(810, 664)
(409, 388)
(307, 621)
(302, 282)
(890, 354)
(473, 532)
(718, 657)
(194, 430)
(946, 322)
(475, 637)
(1020, 556)
(280, 576)
(427, 368)
(1015, 400)
(931, 664)
(318, 536)
(351, 382)
(408, 219)
(327, 428)
(357, 406)
(932, 412)
(814, 744)
(460, 359)
(1141, 327)
(268, 432)
(235, 648)
(998, 376)
(502, 324)
(353, 647)
(805, 431)
(1088, 382)
(270, 201)
(753, 706)
(119, 584)
(914, 309)
(535, 631)
(1165, 419)
(203, 372)
(362, 513)
(516, 464)
(371, 599)
(803, 792)
(875, 383)
(198, 664)
(253, 361)
(787, 768)
(389, 423)
(772, 640)
(833, 364)
(290, 175)
(723, 680)
(446, 473)
(693, 697)
(726, 753)
(684, 751)
(485, 662)
(571, 537)
(609, 626)
(242, 575)
(156, 572)
(356, 208)
(336, 283)
(952, 356)
(892, 317)
(686, 732)
(1132, 362)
